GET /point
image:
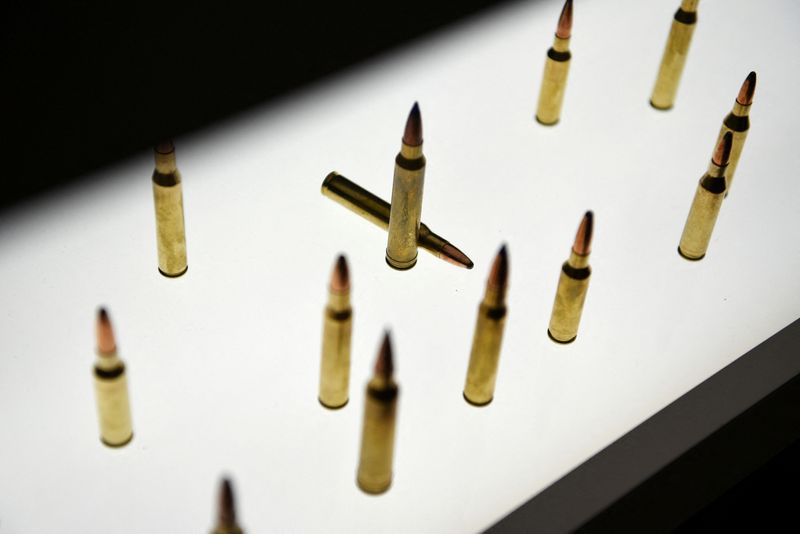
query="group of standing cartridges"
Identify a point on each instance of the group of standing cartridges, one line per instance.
(406, 233)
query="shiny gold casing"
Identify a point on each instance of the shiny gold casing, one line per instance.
(573, 284)
(703, 214)
(377, 438)
(374, 209)
(485, 355)
(674, 58)
(170, 232)
(406, 208)
(738, 123)
(113, 407)
(554, 82)
(334, 378)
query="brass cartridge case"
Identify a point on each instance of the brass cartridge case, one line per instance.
(738, 124)
(554, 82)
(485, 355)
(573, 283)
(168, 199)
(674, 58)
(406, 207)
(377, 437)
(703, 213)
(113, 407)
(334, 379)
(376, 210)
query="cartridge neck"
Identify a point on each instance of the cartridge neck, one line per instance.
(108, 362)
(716, 171)
(495, 297)
(578, 261)
(382, 383)
(560, 44)
(166, 163)
(741, 110)
(338, 302)
(689, 5)
(411, 152)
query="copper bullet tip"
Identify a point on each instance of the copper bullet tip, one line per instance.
(412, 136)
(583, 239)
(384, 364)
(747, 90)
(106, 346)
(564, 29)
(723, 152)
(498, 276)
(453, 255)
(340, 276)
(226, 509)
(165, 147)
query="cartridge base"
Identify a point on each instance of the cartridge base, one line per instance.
(400, 265)
(477, 404)
(660, 108)
(567, 342)
(340, 406)
(540, 121)
(177, 275)
(373, 489)
(116, 445)
(684, 256)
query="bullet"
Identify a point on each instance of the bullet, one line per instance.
(380, 413)
(376, 210)
(674, 58)
(572, 285)
(738, 124)
(111, 387)
(556, 69)
(226, 511)
(706, 204)
(334, 378)
(406, 208)
(485, 355)
(168, 199)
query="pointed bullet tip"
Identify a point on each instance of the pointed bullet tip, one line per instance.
(226, 508)
(583, 238)
(384, 364)
(498, 276)
(564, 29)
(748, 89)
(106, 345)
(412, 136)
(723, 151)
(340, 276)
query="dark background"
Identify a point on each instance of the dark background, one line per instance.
(85, 84)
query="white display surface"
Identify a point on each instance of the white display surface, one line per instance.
(223, 363)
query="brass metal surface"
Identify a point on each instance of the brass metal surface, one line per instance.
(334, 379)
(376, 210)
(674, 58)
(377, 438)
(406, 207)
(703, 214)
(485, 355)
(573, 283)
(113, 406)
(170, 231)
(554, 82)
(738, 123)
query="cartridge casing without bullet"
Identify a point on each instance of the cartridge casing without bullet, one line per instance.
(377, 438)
(738, 124)
(113, 407)
(485, 355)
(406, 207)
(674, 58)
(168, 199)
(573, 283)
(334, 380)
(703, 214)
(554, 82)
